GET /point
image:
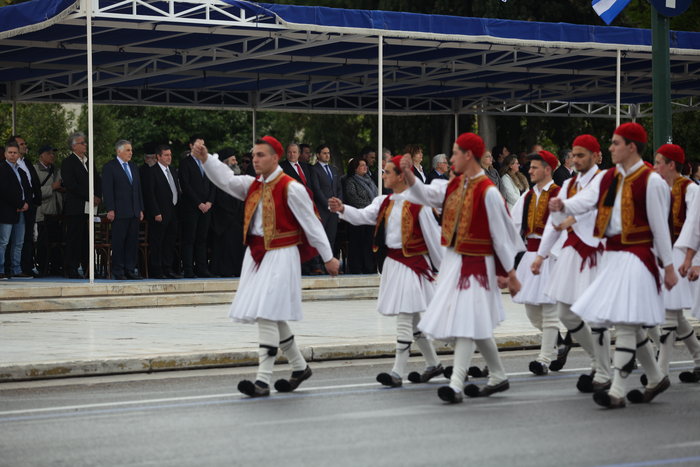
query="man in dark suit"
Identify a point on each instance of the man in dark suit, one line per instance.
(327, 185)
(74, 176)
(15, 197)
(198, 195)
(121, 189)
(161, 196)
(566, 167)
(304, 174)
(30, 215)
(440, 168)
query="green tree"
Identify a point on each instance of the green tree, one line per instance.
(38, 124)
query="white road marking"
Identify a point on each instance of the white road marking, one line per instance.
(67, 408)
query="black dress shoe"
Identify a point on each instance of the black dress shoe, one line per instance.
(173, 275)
(133, 277)
(119, 277)
(157, 276)
(74, 275)
(472, 390)
(690, 376)
(189, 275)
(257, 389)
(427, 375)
(289, 385)
(638, 397)
(203, 274)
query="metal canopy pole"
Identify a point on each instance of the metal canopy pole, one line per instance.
(456, 125)
(617, 89)
(91, 153)
(661, 77)
(14, 115)
(380, 109)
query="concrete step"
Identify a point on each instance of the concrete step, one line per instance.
(38, 296)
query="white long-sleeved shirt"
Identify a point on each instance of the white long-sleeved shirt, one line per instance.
(297, 198)
(584, 225)
(690, 233)
(392, 227)
(658, 199)
(505, 239)
(517, 213)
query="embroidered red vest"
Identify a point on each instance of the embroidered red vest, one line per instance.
(535, 215)
(465, 223)
(572, 189)
(635, 223)
(412, 240)
(678, 206)
(280, 227)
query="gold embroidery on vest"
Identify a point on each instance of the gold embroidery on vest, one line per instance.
(677, 194)
(627, 209)
(452, 212)
(465, 221)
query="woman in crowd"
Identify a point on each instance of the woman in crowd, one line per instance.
(360, 190)
(491, 172)
(513, 183)
(416, 153)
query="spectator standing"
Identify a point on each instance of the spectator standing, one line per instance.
(74, 173)
(149, 160)
(30, 215)
(386, 156)
(327, 186)
(15, 197)
(292, 166)
(227, 227)
(416, 153)
(487, 164)
(162, 195)
(359, 193)
(198, 195)
(566, 167)
(121, 185)
(440, 169)
(304, 153)
(513, 183)
(48, 226)
(499, 154)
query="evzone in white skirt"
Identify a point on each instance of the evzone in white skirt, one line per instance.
(682, 294)
(272, 291)
(534, 287)
(567, 282)
(624, 291)
(472, 313)
(401, 290)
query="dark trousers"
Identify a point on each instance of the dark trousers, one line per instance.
(161, 245)
(48, 251)
(195, 229)
(227, 253)
(28, 245)
(125, 244)
(77, 239)
(360, 256)
(330, 225)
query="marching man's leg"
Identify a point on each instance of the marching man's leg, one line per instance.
(300, 369)
(686, 334)
(404, 339)
(268, 341)
(433, 366)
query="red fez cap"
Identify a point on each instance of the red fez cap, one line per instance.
(547, 157)
(632, 131)
(587, 141)
(672, 152)
(276, 145)
(471, 142)
(396, 160)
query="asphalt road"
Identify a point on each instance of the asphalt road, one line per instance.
(341, 417)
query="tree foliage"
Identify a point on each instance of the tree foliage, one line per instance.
(38, 124)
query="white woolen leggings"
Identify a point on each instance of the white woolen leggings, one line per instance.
(271, 336)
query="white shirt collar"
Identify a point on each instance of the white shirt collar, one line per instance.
(545, 188)
(632, 169)
(121, 161)
(272, 176)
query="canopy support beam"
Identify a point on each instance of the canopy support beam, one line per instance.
(91, 145)
(380, 109)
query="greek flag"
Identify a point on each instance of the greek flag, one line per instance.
(609, 9)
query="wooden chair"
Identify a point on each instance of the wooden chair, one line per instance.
(103, 248)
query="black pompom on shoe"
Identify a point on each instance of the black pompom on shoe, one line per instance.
(447, 394)
(476, 372)
(538, 368)
(643, 379)
(390, 380)
(427, 375)
(298, 377)
(690, 376)
(257, 389)
(604, 399)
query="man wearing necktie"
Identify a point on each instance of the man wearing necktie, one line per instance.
(161, 196)
(15, 196)
(121, 189)
(303, 173)
(197, 199)
(327, 186)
